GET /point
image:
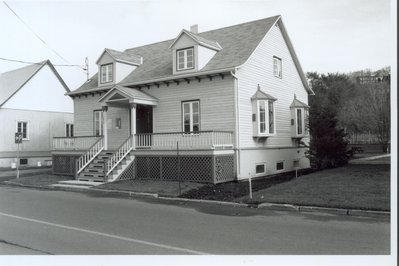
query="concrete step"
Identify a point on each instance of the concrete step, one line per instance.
(70, 186)
(80, 183)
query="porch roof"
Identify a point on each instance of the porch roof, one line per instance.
(121, 93)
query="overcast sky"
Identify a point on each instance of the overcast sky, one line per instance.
(328, 36)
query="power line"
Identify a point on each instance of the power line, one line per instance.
(33, 31)
(35, 63)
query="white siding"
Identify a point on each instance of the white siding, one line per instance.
(122, 70)
(84, 107)
(204, 55)
(43, 92)
(259, 70)
(42, 127)
(216, 104)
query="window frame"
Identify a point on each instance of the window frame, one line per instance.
(69, 130)
(185, 62)
(277, 67)
(101, 123)
(278, 162)
(109, 76)
(264, 168)
(301, 123)
(191, 114)
(267, 104)
(27, 129)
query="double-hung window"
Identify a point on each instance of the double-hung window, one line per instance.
(277, 67)
(69, 130)
(98, 123)
(22, 127)
(185, 59)
(191, 116)
(299, 119)
(106, 73)
(266, 114)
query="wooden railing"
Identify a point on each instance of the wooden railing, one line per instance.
(191, 140)
(73, 143)
(89, 156)
(119, 155)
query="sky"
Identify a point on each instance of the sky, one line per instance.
(328, 36)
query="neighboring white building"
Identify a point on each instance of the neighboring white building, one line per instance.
(33, 101)
(234, 99)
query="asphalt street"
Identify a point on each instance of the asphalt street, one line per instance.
(69, 223)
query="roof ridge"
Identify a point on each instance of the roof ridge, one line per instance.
(198, 34)
(24, 67)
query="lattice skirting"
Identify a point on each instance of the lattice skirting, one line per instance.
(64, 164)
(205, 169)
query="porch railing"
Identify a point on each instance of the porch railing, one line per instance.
(85, 159)
(73, 143)
(191, 140)
(119, 155)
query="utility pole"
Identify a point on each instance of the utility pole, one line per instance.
(86, 68)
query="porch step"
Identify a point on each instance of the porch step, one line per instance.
(76, 184)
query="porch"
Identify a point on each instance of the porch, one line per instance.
(204, 156)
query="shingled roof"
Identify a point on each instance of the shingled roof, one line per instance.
(12, 81)
(237, 42)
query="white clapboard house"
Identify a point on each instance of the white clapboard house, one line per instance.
(33, 102)
(214, 106)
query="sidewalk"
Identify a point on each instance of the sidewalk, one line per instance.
(271, 195)
(8, 173)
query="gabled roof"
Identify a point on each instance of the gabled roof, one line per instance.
(129, 93)
(11, 82)
(261, 95)
(238, 43)
(298, 103)
(198, 39)
(122, 57)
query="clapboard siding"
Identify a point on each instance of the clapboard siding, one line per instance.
(259, 70)
(84, 107)
(216, 104)
(116, 136)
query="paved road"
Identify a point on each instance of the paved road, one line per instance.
(57, 222)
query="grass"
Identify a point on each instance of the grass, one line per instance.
(41, 180)
(162, 188)
(352, 186)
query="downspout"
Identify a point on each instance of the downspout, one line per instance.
(236, 120)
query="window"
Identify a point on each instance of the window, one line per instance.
(69, 130)
(106, 73)
(98, 123)
(302, 121)
(185, 59)
(260, 168)
(23, 161)
(191, 116)
(22, 127)
(280, 166)
(266, 116)
(277, 67)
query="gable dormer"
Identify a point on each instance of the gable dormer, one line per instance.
(113, 66)
(192, 52)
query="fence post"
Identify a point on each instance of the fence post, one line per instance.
(178, 167)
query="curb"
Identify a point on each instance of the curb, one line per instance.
(262, 206)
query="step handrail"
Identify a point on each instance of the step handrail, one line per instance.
(86, 158)
(120, 154)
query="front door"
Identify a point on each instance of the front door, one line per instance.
(143, 119)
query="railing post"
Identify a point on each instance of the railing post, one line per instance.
(105, 170)
(76, 168)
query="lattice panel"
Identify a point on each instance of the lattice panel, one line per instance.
(154, 167)
(141, 167)
(129, 172)
(169, 168)
(197, 169)
(224, 168)
(64, 164)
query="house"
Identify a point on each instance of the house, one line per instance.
(33, 102)
(215, 106)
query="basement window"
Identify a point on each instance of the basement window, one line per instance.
(260, 168)
(280, 166)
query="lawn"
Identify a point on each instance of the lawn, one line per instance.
(41, 180)
(352, 186)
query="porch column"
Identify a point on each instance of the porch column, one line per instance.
(105, 127)
(133, 122)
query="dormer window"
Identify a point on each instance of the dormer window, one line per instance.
(107, 73)
(185, 59)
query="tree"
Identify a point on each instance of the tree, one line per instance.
(327, 146)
